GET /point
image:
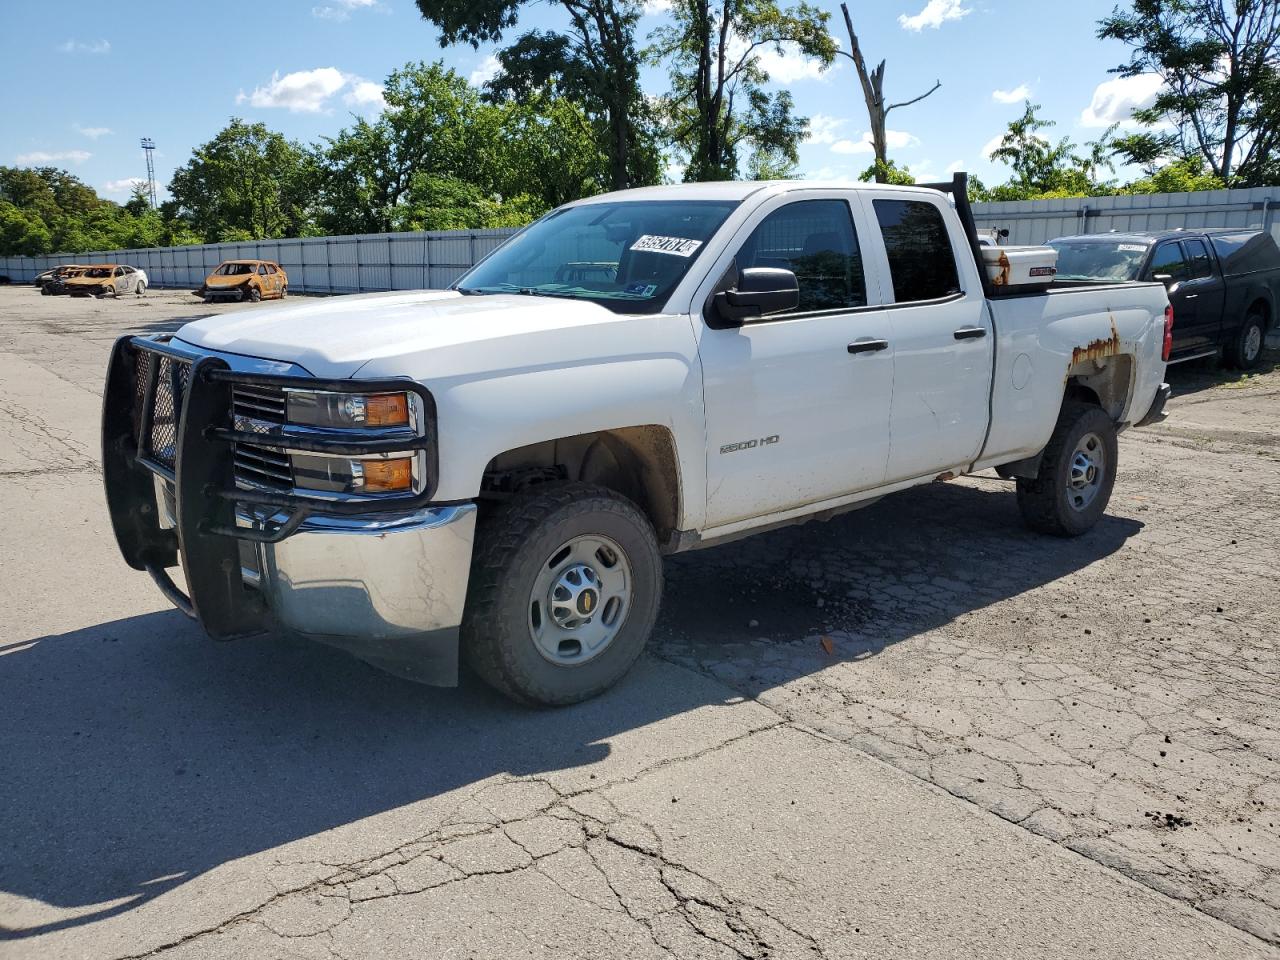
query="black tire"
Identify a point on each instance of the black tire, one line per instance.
(284, 291)
(206, 299)
(1048, 503)
(512, 546)
(254, 295)
(44, 291)
(142, 288)
(1244, 352)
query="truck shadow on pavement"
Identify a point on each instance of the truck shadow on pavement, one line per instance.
(136, 755)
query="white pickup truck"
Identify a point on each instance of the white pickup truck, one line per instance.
(497, 469)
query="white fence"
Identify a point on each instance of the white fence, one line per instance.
(382, 261)
(1035, 221)
(412, 261)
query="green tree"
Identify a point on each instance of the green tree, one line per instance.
(718, 104)
(887, 171)
(594, 62)
(1181, 176)
(1220, 63)
(435, 126)
(1042, 168)
(248, 182)
(440, 143)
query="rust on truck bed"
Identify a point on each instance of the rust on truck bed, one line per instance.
(1098, 349)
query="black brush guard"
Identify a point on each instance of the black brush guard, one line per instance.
(206, 537)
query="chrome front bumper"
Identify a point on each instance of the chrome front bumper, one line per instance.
(389, 590)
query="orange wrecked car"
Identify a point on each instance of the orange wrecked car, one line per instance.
(245, 280)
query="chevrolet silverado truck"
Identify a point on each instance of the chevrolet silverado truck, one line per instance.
(494, 471)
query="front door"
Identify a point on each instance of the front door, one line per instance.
(1169, 264)
(942, 339)
(797, 405)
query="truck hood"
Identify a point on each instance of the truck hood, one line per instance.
(422, 334)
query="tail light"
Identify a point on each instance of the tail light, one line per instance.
(1168, 334)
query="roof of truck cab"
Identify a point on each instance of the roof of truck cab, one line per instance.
(737, 190)
(1153, 236)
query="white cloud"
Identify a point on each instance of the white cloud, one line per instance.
(1115, 100)
(123, 186)
(824, 129)
(365, 94)
(992, 145)
(838, 175)
(304, 91)
(80, 46)
(39, 158)
(341, 9)
(934, 14)
(1018, 93)
(955, 166)
(653, 8)
(93, 133)
(487, 70)
(789, 65)
(894, 140)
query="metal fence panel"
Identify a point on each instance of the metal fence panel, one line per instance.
(410, 261)
(1036, 221)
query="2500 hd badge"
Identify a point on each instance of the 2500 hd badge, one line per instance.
(749, 444)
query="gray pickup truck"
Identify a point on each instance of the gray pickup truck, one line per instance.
(1224, 284)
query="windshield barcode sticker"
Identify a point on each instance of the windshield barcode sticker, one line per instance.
(676, 246)
(1132, 248)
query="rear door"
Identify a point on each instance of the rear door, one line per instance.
(941, 333)
(797, 405)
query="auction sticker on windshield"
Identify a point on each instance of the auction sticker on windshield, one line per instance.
(1132, 248)
(676, 246)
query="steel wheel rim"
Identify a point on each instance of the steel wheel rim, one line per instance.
(1087, 471)
(580, 600)
(1253, 342)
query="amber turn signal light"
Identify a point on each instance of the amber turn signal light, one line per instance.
(388, 476)
(387, 410)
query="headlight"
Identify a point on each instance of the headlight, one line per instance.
(348, 410)
(343, 475)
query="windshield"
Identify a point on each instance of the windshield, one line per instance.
(233, 269)
(1099, 259)
(627, 255)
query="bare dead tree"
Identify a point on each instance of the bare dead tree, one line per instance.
(873, 92)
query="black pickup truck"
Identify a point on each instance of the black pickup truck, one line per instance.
(1224, 284)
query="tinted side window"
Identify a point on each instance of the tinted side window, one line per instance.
(815, 240)
(1198, 259)
(1246, 252)
(1168, 260)
(921, 261)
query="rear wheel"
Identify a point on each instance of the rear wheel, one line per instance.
(284, 291)
(1246, 350)
(1077, 474)
(565, 587)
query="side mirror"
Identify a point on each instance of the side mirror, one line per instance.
(1165, 278)
(760, 292)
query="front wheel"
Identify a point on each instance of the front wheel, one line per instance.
(254, 295)
(142, 288)
(1246, 350)
(564, 592)
(1077, 474)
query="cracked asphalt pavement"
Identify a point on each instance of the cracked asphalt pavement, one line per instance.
(915, 730)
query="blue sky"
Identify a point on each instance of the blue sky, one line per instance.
(83, 82)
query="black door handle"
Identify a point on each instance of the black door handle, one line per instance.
(868, 346)
(971, 333)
